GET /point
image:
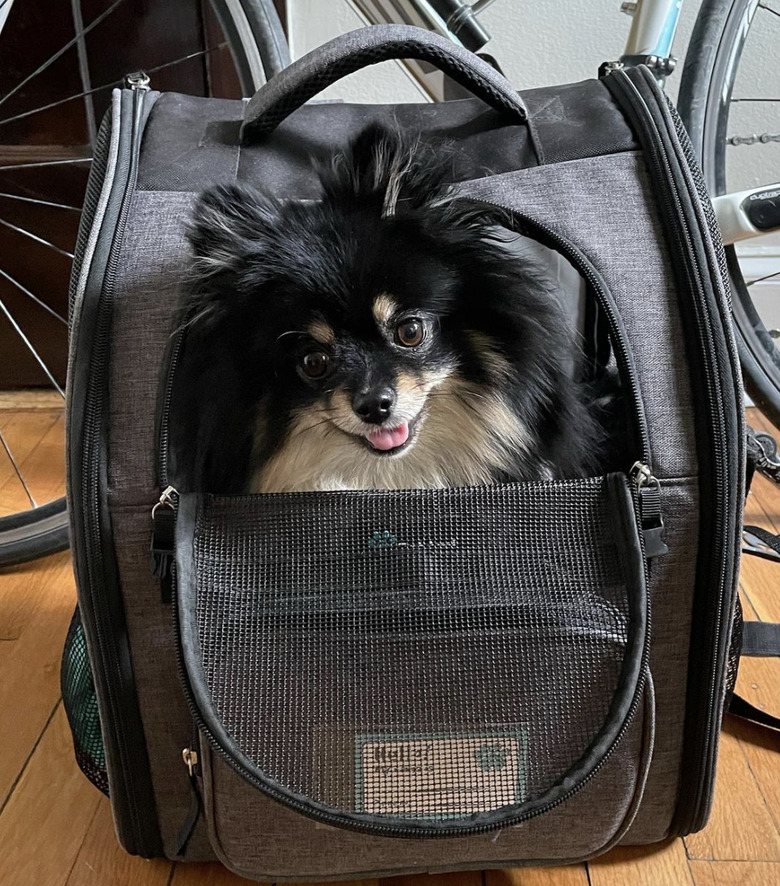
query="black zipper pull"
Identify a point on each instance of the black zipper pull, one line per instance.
(649, 492)
(163, 538)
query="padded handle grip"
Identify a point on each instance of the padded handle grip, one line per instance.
(350, 52)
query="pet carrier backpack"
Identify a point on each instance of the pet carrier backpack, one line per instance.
(328, 685)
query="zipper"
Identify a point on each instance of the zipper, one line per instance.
(699, 756)
(163, 437)
(136, 808)
(307, 809)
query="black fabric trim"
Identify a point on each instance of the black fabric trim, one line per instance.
(717, 556)
(100, 599)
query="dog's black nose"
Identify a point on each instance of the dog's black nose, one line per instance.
(374, 406)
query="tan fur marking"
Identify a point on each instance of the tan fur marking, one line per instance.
(495, 363)
(384, 309)
(466, 432)
(320, 331)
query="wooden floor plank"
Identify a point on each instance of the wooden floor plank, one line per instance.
(101, 861)
(735, 873)
(762, 750)
(573, 875)
(47, 816)
(31, 399)
(30, 684)
(462, 878)
(22, 432)
(664, 865)
(740, 827)
(210, 875)
(43, 469)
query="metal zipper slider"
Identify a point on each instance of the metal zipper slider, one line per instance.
(137, 80)
(190, 758)
(168, 499)
(648, 490)
(163, 541)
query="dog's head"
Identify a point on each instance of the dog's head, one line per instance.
(363, 320)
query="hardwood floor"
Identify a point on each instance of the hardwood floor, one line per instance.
(56, 830)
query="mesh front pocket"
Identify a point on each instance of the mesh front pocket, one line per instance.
(416, 663)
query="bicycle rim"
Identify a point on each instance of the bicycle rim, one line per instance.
(718, 98)
(56, 78)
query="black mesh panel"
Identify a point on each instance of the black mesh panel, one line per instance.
(424, 655)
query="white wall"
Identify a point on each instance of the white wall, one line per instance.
(538, 42)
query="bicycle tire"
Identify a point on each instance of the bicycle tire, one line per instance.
(256, 40)
(259, 50)
(710, 69)
(34, 533)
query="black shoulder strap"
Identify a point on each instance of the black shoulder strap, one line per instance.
(759, 638)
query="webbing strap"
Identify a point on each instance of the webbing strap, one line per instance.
(740, 707)
(760, 543)
(760, 638)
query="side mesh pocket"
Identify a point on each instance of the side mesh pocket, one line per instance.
(80, 700)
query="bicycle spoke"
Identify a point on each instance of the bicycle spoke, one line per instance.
(41, 202)
(46, 163)
(59, 52)
(16, 469)
(86, 82)
(35, 298)
(30, 348)
(36, 237)
(761, 279)
(769, 9)
(111, 85)
(61, 101)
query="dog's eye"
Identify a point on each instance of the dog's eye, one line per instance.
(410, 332)
(315, 364)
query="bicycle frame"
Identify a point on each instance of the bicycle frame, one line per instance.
(652, 29)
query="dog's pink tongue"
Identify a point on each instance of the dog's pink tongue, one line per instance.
(389, 438)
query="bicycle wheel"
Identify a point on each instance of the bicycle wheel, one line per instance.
(58, 65)
(731, 107)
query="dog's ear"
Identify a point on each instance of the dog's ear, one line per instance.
(387, 170)
(230, 225)
(231, 232)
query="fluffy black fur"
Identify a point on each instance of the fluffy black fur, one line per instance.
(265, 270)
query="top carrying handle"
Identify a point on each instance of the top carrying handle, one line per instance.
(350, 52)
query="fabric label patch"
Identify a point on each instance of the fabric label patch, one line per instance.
(439, 776)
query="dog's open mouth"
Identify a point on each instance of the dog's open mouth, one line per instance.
(392, 441)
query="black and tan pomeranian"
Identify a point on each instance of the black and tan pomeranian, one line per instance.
(382, 337)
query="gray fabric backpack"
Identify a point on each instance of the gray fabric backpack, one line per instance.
(307, 685)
